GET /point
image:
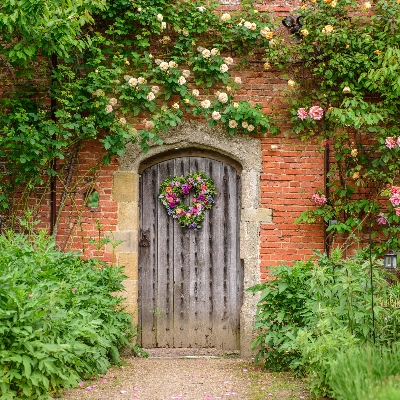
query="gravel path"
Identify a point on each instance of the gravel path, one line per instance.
(172, 374)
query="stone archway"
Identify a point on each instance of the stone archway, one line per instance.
(245, 151)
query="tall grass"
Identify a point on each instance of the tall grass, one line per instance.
(366, 373)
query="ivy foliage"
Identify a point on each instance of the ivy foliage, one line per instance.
(125, 72)
(28, 27)
(345, 58)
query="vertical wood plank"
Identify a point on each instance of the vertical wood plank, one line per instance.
(231, 260)
(198, 293)
(217, 257)
(148, 259)
(181, 272)
(164, 312)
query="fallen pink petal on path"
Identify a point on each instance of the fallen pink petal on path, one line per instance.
(81, 384)
(123, 391)
(104, 380)
(136, 388)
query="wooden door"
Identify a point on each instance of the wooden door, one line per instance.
(190, 281)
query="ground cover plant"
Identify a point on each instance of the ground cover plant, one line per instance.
(59, 321)
(314, 312)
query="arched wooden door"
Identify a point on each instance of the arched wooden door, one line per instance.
(190, 282)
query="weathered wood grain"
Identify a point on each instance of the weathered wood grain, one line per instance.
(190, 282)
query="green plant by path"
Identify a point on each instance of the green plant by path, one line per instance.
(59, 321)
(313, 311)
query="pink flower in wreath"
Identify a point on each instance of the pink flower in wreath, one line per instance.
(390, 143)
(302, 113)
(168, 189)
(316, 112)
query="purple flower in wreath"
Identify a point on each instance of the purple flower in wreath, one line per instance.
(200, 197)
(172, 205)
(185, 189)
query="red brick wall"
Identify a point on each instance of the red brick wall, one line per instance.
(292, 172)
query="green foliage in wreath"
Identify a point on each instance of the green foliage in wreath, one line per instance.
(174, 189)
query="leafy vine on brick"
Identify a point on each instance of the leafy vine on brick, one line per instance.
(344, 89)
(125, 71)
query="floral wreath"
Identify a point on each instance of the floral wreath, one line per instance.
(175, 188)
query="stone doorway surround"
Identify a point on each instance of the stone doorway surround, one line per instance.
(242, 149)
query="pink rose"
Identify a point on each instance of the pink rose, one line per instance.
(302, 113)
(320, 200)
(316, 112)
(395, 199)
(395, 190)
(390, 143)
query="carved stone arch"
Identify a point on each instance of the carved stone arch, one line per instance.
(245, 153)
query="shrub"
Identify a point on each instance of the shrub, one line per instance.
(280, 313)
(59, 321)
(310, 313)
